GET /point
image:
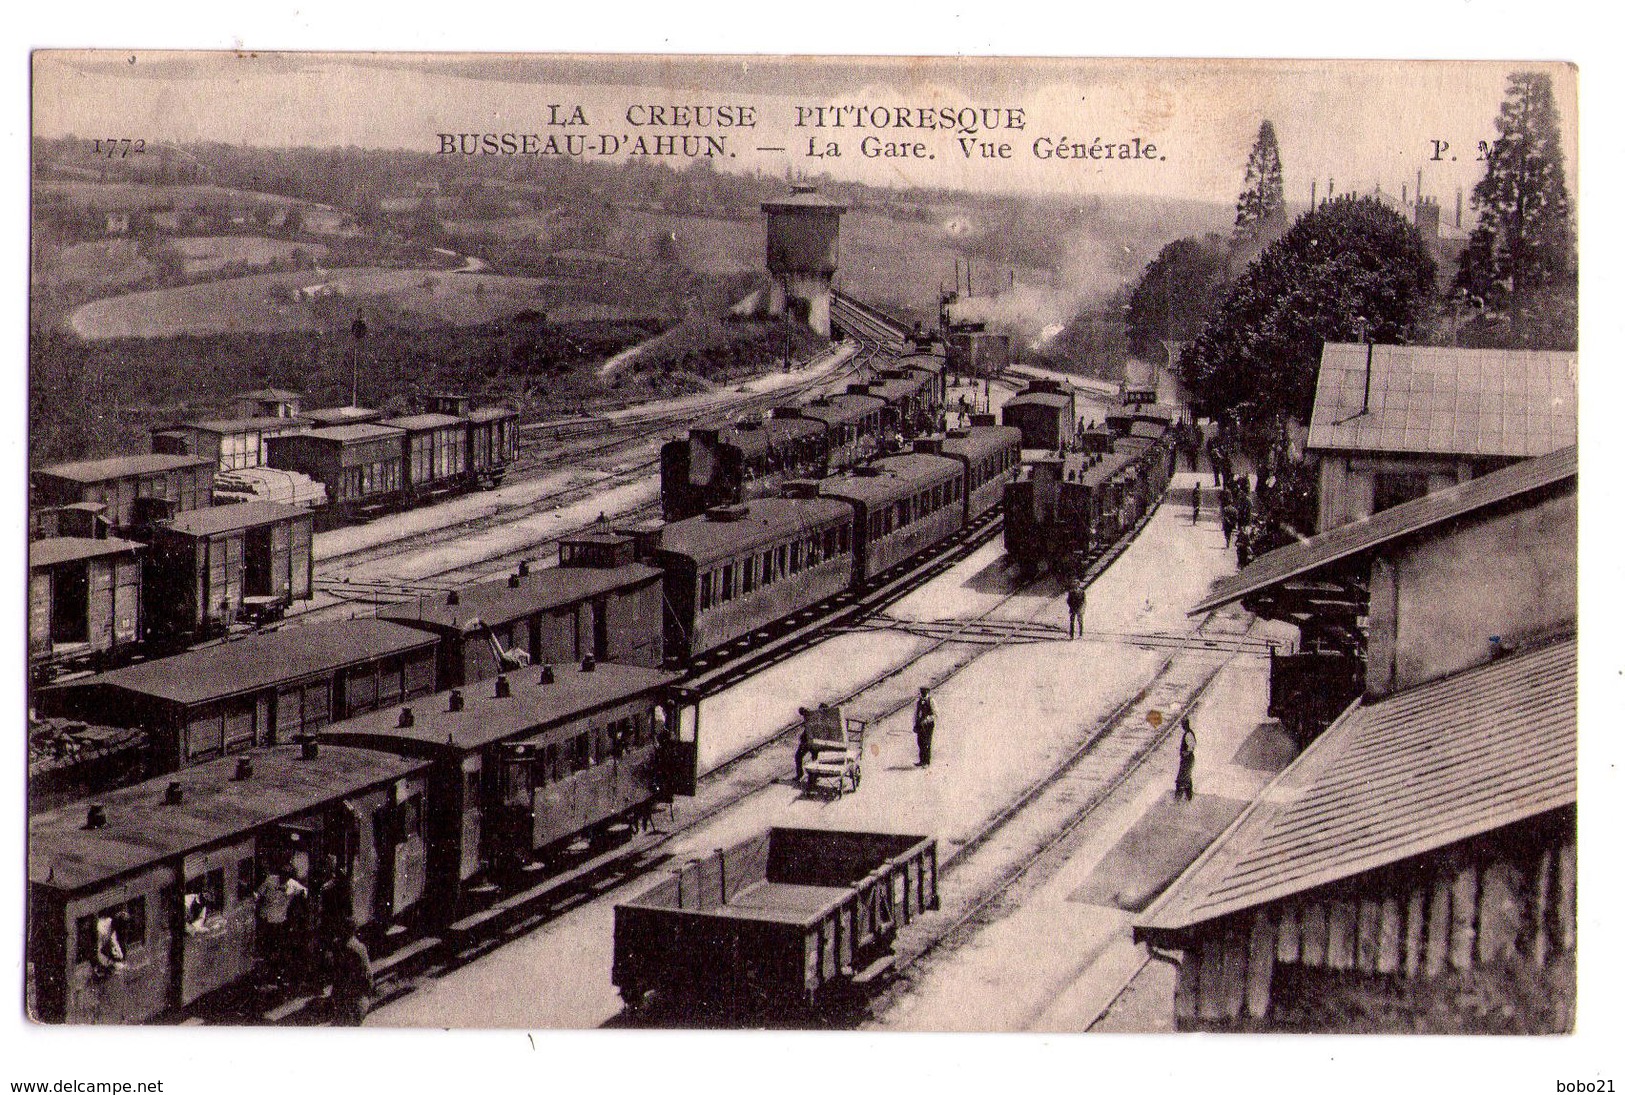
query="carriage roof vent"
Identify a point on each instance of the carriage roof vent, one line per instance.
(503, 689)
(308, 748)
(588, 664)
(96, 816)
(454, 702)
(172, 793)
(245, 769)
(513, 581)
(406, 718)
(452, 598)
(547, 675)
(737, 512)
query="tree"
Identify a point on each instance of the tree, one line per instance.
(1174, 294)
(1521, 249)
(1261, 207)
(1352, 269)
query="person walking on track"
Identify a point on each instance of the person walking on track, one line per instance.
(1184, 780)
(925, 725)
(1076, 599)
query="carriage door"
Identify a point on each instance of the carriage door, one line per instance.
(511, 823)
(677, 731)
(301, 845)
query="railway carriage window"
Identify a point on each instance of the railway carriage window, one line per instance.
(727, 591)
(419, 674)
(783, 560)
(705, 592)
(245, 878)
(389, 680)
(239, 725)
(412, 817)
(203, 735)
(580, 753)
(203, 897)
(318, 705)
(135, 932)
(846, 539)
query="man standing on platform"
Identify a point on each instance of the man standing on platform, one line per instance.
(925, 725)
(1076, 599)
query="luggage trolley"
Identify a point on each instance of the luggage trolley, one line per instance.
(834, 746)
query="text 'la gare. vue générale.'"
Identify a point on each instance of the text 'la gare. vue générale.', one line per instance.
(812, 131)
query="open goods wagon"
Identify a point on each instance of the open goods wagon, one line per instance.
(774, 922)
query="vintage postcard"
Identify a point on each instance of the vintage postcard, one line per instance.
(855, 543)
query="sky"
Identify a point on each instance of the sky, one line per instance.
(1363, 124)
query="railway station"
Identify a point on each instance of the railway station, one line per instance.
(825, 697)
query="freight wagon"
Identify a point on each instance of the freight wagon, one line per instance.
(774, 923)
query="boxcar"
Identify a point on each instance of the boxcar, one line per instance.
(1046, 413)
(901, 505)
(361, 464)
(434, 453)
(773, 923)
(529, 760)
(232, 443)
(258, 690)
(598, 601)
(735, 569)
(991, 456)
(84, 601)
(204, 839)
(976, 352)
(493, 443)
(209, 568)
(135, 489)
(730, 464)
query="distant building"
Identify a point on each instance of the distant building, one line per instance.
(1392, 423)
(118, 224)
(1414, 868)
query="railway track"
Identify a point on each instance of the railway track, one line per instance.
(750, 771)
(368, 555)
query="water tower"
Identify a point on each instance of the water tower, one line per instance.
(803, 235)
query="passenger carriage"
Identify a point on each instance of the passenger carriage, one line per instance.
(597, 601)
(901, 505)
(182, 857)
(991, 456)
(532, 759)
(736, 569)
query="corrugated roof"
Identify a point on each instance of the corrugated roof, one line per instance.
(229, 518)
(142, 829)
(1418, 771)
(1386, 525)
(704, 539)
(53, 550)
(1445, 400)
(497, 603)
(118, 467)
(260, 660)
(484, 719)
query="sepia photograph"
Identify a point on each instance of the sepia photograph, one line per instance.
(851, 545)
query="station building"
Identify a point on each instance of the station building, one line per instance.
(1414, 868)
(1392, 423)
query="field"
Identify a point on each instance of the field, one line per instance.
(303, 300)
(104, 265)
(116, 195)
(209, 254)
